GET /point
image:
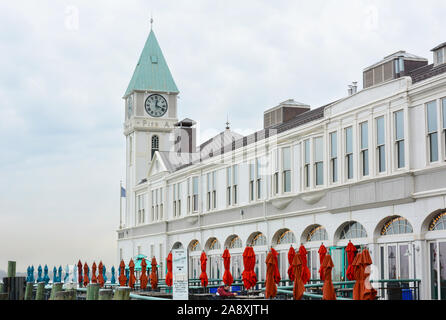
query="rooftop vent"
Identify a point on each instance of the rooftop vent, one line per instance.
(393, 66)
(285, 111)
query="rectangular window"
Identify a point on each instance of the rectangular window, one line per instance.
(189, 201)
(432, 134)
(258, 179)
(399, 138)
(251, 182)
(440, 56)
(286, 169)
(208, 193)
(334, 156)
(214, 189)
(234, 184)
(179, 199)
(195, 194)
(349, 152)
(380, 143)
(319, 160)
(276, 172)
(307, 163)
(364, 148)
(153, 206)
(228, 185)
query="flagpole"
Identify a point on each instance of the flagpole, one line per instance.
(120, 204)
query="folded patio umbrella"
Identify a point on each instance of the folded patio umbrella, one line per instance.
(276, 268)
(143, 279)
(79, 273)
(357, 277)
(367, 292)
(169, 270)
(101, 280)
(328, 291)
(227, 276)
(154, 274)
(306, 275)
(132, 278)
(203, 275)
(270, 284)
(322, 252)
(252, 264)
(247, 273)
(350, 249)
(298, 288)
(86, 279)
(291, 254)
(93, 276)
(122, 278)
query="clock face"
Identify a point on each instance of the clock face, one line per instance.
(156, 105)
(130, 106)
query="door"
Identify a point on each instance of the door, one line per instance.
(437, 258)
(338, 258)
(397, 261)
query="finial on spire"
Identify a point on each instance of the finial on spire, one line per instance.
(151, 20)
(227, 122)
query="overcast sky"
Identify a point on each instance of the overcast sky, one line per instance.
(65, 65)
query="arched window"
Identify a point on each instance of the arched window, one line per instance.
(318, 233)
(258, 240)
(194, 245)
(213, 244)
(155, 144)
(177, 245)
(235, 242)
(353, 230)
(396, 225)
(438, 222)
(286, 237)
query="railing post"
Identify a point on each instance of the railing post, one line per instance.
(92, 291)
(57, 287)
(29, 291)
(105, 294)
(122, 293)
(40, 291)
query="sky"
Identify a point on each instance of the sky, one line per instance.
(65, 65)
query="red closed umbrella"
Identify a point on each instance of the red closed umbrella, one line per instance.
(298, 288)
(101, 274)
(79, 273)
(169, 270)
(252, 264)
(306, 275)
(93, 276)
(227, 276)
(328, 291)
(86, 279)
(143, 279)
(350, 249)
(122, 278)
(132, 278)
(203, 275)
(246, 274)
(154, 275)
(291, 254)
(322, 252)
(270, 284)
(276, 269)
(356, 265)
(367, 292)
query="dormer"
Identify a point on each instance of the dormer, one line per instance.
(393, 66)
(439, 54)
(284, 112)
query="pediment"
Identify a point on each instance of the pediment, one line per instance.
(157, 166)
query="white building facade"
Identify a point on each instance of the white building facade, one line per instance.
(369, 168)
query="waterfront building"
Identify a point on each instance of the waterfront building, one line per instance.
(369, 168)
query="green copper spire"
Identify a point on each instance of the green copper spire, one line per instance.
(152, 72)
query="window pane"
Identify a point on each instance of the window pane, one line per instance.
(235, 172)
(399, 125)
(381, 159)
(432, 116)
(334, 168)
(404, 261)
(380, 131)
(318, 149)
(286, 158)
(400, 147)
(333, 144)
(228, 176)
(391, 256)
(433, 139)
(364, 135)
(365, 163)
(348, 140)
(287, 181)
(350, 166)
(307, 151)
(444, 112)
(319, 173)
(195, 185)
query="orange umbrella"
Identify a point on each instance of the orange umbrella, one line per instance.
(298, 288)
(143, 279)
(246, 274)
(356, 265)
(93, 277)
(203, 275)
(154, 275)
(270, 284)
(322, 252)
(132, 278)
(350, 249)
(306, 275)
(276, 269)
(227, 276)
(79, 273)
(101, 276)
(122, 278)
(291, 254)
(86, 279)
(367, 292)
(169, 270)
(252, 264)
(328, 291)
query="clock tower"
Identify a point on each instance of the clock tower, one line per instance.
(150, 115)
